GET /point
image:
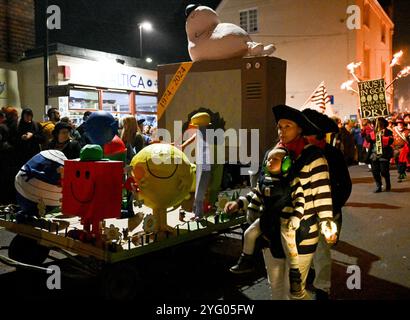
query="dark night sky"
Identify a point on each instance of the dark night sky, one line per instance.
(112, 26)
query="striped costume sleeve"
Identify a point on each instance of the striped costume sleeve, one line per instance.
(298, 198)
(252, 201)
(320, 188)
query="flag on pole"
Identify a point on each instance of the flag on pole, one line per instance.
(319, 100)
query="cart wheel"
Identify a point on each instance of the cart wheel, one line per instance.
(121, 282)
(27, 250)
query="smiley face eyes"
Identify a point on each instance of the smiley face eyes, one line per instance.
(78, 174)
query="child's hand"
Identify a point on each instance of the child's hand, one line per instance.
(294, 223)
(231, 206)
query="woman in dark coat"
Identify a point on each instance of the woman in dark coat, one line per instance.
(29, 136)
(8, 168)
(62, 141)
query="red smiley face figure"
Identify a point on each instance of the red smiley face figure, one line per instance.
(92, 190)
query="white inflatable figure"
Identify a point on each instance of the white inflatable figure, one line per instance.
(209, 39)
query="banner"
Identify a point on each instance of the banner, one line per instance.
(173, 86)
(372, 95)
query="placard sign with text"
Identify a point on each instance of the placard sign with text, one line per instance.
(372, 95)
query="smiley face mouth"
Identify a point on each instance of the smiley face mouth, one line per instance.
(86, 200)
(160, 177)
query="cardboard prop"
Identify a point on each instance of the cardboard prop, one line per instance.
(209, 39)
(164, 177)
(92, 188)
(38, 183)
(101, 127)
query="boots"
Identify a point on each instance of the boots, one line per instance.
(378, 188)
(245, 264)
(388, 185)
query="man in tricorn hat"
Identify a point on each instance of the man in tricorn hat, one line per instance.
(341, 186)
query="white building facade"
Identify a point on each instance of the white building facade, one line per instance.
(317, 40)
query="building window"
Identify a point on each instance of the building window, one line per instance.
(83, 100)
(366, 63)
(146, 107)
(248, 20)
(383, 35)
(116, 102)
(366, 15)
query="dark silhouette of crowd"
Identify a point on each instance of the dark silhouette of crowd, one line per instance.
(22, 137)
(381, 143)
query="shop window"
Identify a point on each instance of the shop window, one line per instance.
(366, 15)
(116, 102)
(383, 34)
(146, 107)
(366, 63)
(248, 20)
(83, 100)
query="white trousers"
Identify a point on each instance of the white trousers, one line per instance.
(278, 274)
(250, 236)
(322, 263)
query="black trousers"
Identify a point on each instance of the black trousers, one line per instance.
(380, 168)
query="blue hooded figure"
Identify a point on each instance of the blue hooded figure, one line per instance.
(38, 183)
(101, 127)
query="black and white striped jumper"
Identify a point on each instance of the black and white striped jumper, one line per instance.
(311, 182)
(275, 198)
(312, 171)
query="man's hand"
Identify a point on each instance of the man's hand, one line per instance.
(329, 230)
(29, 135)
(231, 207)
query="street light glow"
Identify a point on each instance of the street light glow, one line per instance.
(149, 60)
(147, 26)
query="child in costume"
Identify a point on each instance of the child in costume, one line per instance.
(268, 200)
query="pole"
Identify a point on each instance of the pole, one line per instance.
(45, 55)
(391, 83)
(140, 27)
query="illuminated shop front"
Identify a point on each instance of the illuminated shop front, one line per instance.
(87, 80)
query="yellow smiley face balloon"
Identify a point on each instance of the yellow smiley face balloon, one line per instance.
(164, 175)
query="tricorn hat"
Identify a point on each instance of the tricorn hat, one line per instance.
(321, 121)
(289, 113)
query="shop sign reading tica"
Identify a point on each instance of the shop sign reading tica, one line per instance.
(134, 81)
(113, 77)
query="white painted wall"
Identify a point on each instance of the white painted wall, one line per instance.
(9, 91)
(312, 36)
